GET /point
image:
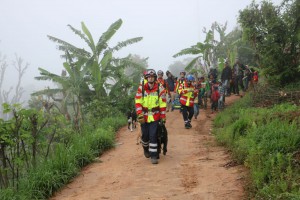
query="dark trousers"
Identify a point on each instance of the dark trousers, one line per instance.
(187, 113)
(238, 81)
(149, 137)
(214, 105)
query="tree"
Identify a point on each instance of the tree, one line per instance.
(21, 68)
(273, 31)
(99, 59)
(74, 88)
(206, 52)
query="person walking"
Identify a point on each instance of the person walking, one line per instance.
(150, 104)
(187, 94)
(238, 76)
(226, 76)
(163, 82)
(171, 81)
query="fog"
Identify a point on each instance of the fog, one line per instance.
(167, 26)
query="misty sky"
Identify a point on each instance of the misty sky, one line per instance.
(167, 26)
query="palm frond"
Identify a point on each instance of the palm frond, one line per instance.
(47, 92)
(107, 35)
(89, 35)
(64, 46)
(126, 42)
(106, 59)
(80, 34)
(45, 75)
(192, 63)
(188, 51)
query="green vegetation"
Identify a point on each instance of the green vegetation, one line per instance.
(43, 147)
(64, 162)
(267, 141)
(274, 34)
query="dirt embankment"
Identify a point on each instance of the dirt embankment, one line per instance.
(194, 168)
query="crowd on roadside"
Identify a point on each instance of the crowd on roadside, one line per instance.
(156, 96)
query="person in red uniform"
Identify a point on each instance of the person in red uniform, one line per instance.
(187, 94)
(150, 104)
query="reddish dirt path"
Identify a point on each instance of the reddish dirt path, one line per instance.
(192, 169)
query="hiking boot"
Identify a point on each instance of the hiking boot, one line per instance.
(154, 161)
(187, 126)
(146, 153)
(164, 151)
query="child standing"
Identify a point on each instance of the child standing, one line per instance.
(214, 99)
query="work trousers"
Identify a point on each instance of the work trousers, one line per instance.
(149, 138)
(187, 113)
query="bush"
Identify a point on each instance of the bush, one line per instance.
(66, 161)
(265, 140)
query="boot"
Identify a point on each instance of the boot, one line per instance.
(187, 125)
(154, 161)
(146, 153)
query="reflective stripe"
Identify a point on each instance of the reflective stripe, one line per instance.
(138, 109)
(138, 95)
(145, 143)
(163, 112)
(152, 145)
(153, 150)
(150, 113)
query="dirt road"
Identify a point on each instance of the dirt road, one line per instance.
(192, 169)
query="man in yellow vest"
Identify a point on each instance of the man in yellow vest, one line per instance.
(150, 104)
(187, 95)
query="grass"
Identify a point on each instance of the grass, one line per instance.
(265, 140)
(66, 161)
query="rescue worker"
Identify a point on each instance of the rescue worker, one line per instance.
(187, 94)
(150, 104)
(181, 81)
(161, 81)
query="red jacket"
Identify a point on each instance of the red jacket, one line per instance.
(187, 94)
(215, 95)
(151, 102)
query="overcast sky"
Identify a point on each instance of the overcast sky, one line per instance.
(167, 26)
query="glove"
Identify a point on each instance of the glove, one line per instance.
(141, 119)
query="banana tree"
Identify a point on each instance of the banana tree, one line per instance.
(202, 50)
(73, 88)
(100, 56)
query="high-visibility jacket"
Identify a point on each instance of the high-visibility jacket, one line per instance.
(187, 94)
(164, 83)
(179, 84)
(151, 102)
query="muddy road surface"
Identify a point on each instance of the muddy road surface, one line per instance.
(195, 168)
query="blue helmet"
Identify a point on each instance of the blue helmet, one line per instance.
(190, 78)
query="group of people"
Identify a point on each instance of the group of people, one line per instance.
(156, 96)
